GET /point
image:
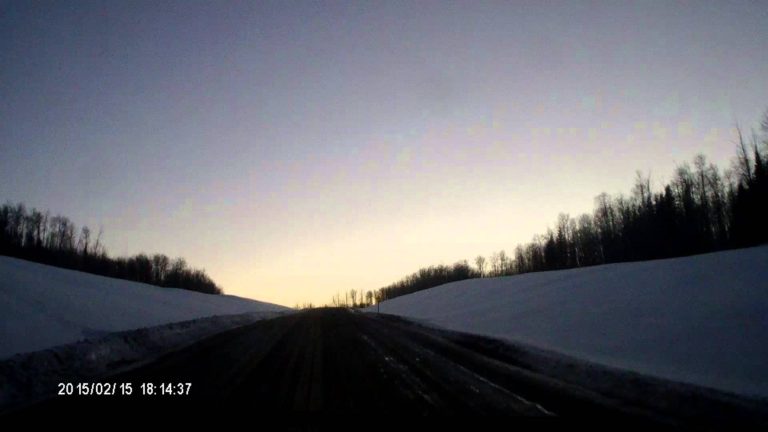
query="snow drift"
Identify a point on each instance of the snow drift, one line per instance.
(26, 378)
(43, 306)
(700, 319)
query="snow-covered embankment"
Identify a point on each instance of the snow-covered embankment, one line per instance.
(61, 325)
(700, 319)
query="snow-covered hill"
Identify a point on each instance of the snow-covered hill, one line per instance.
(700, 319)
(43, 306)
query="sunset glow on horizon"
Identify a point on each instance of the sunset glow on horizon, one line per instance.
(298, 150)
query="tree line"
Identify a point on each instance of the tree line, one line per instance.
(700, 210)
(54, 240)
(354, 298)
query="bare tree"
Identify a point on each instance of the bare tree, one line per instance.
(495, 269)
(562, 240)
(743, 163)
(574, 245)
(480, 262)
(719, 208)
(521, 262)
(503, 263)
(642, 189)
(84, 242)
(98, 247)
(160, 267)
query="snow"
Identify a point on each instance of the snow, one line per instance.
(701, 320)
(43, 306)
(26, 378)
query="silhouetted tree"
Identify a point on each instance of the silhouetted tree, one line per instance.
(699, 210)
(35, 236)
(480, 262)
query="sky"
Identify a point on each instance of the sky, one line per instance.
(295, 150)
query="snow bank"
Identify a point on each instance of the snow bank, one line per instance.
(25, 378)
(700, 319)
(43, 306)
